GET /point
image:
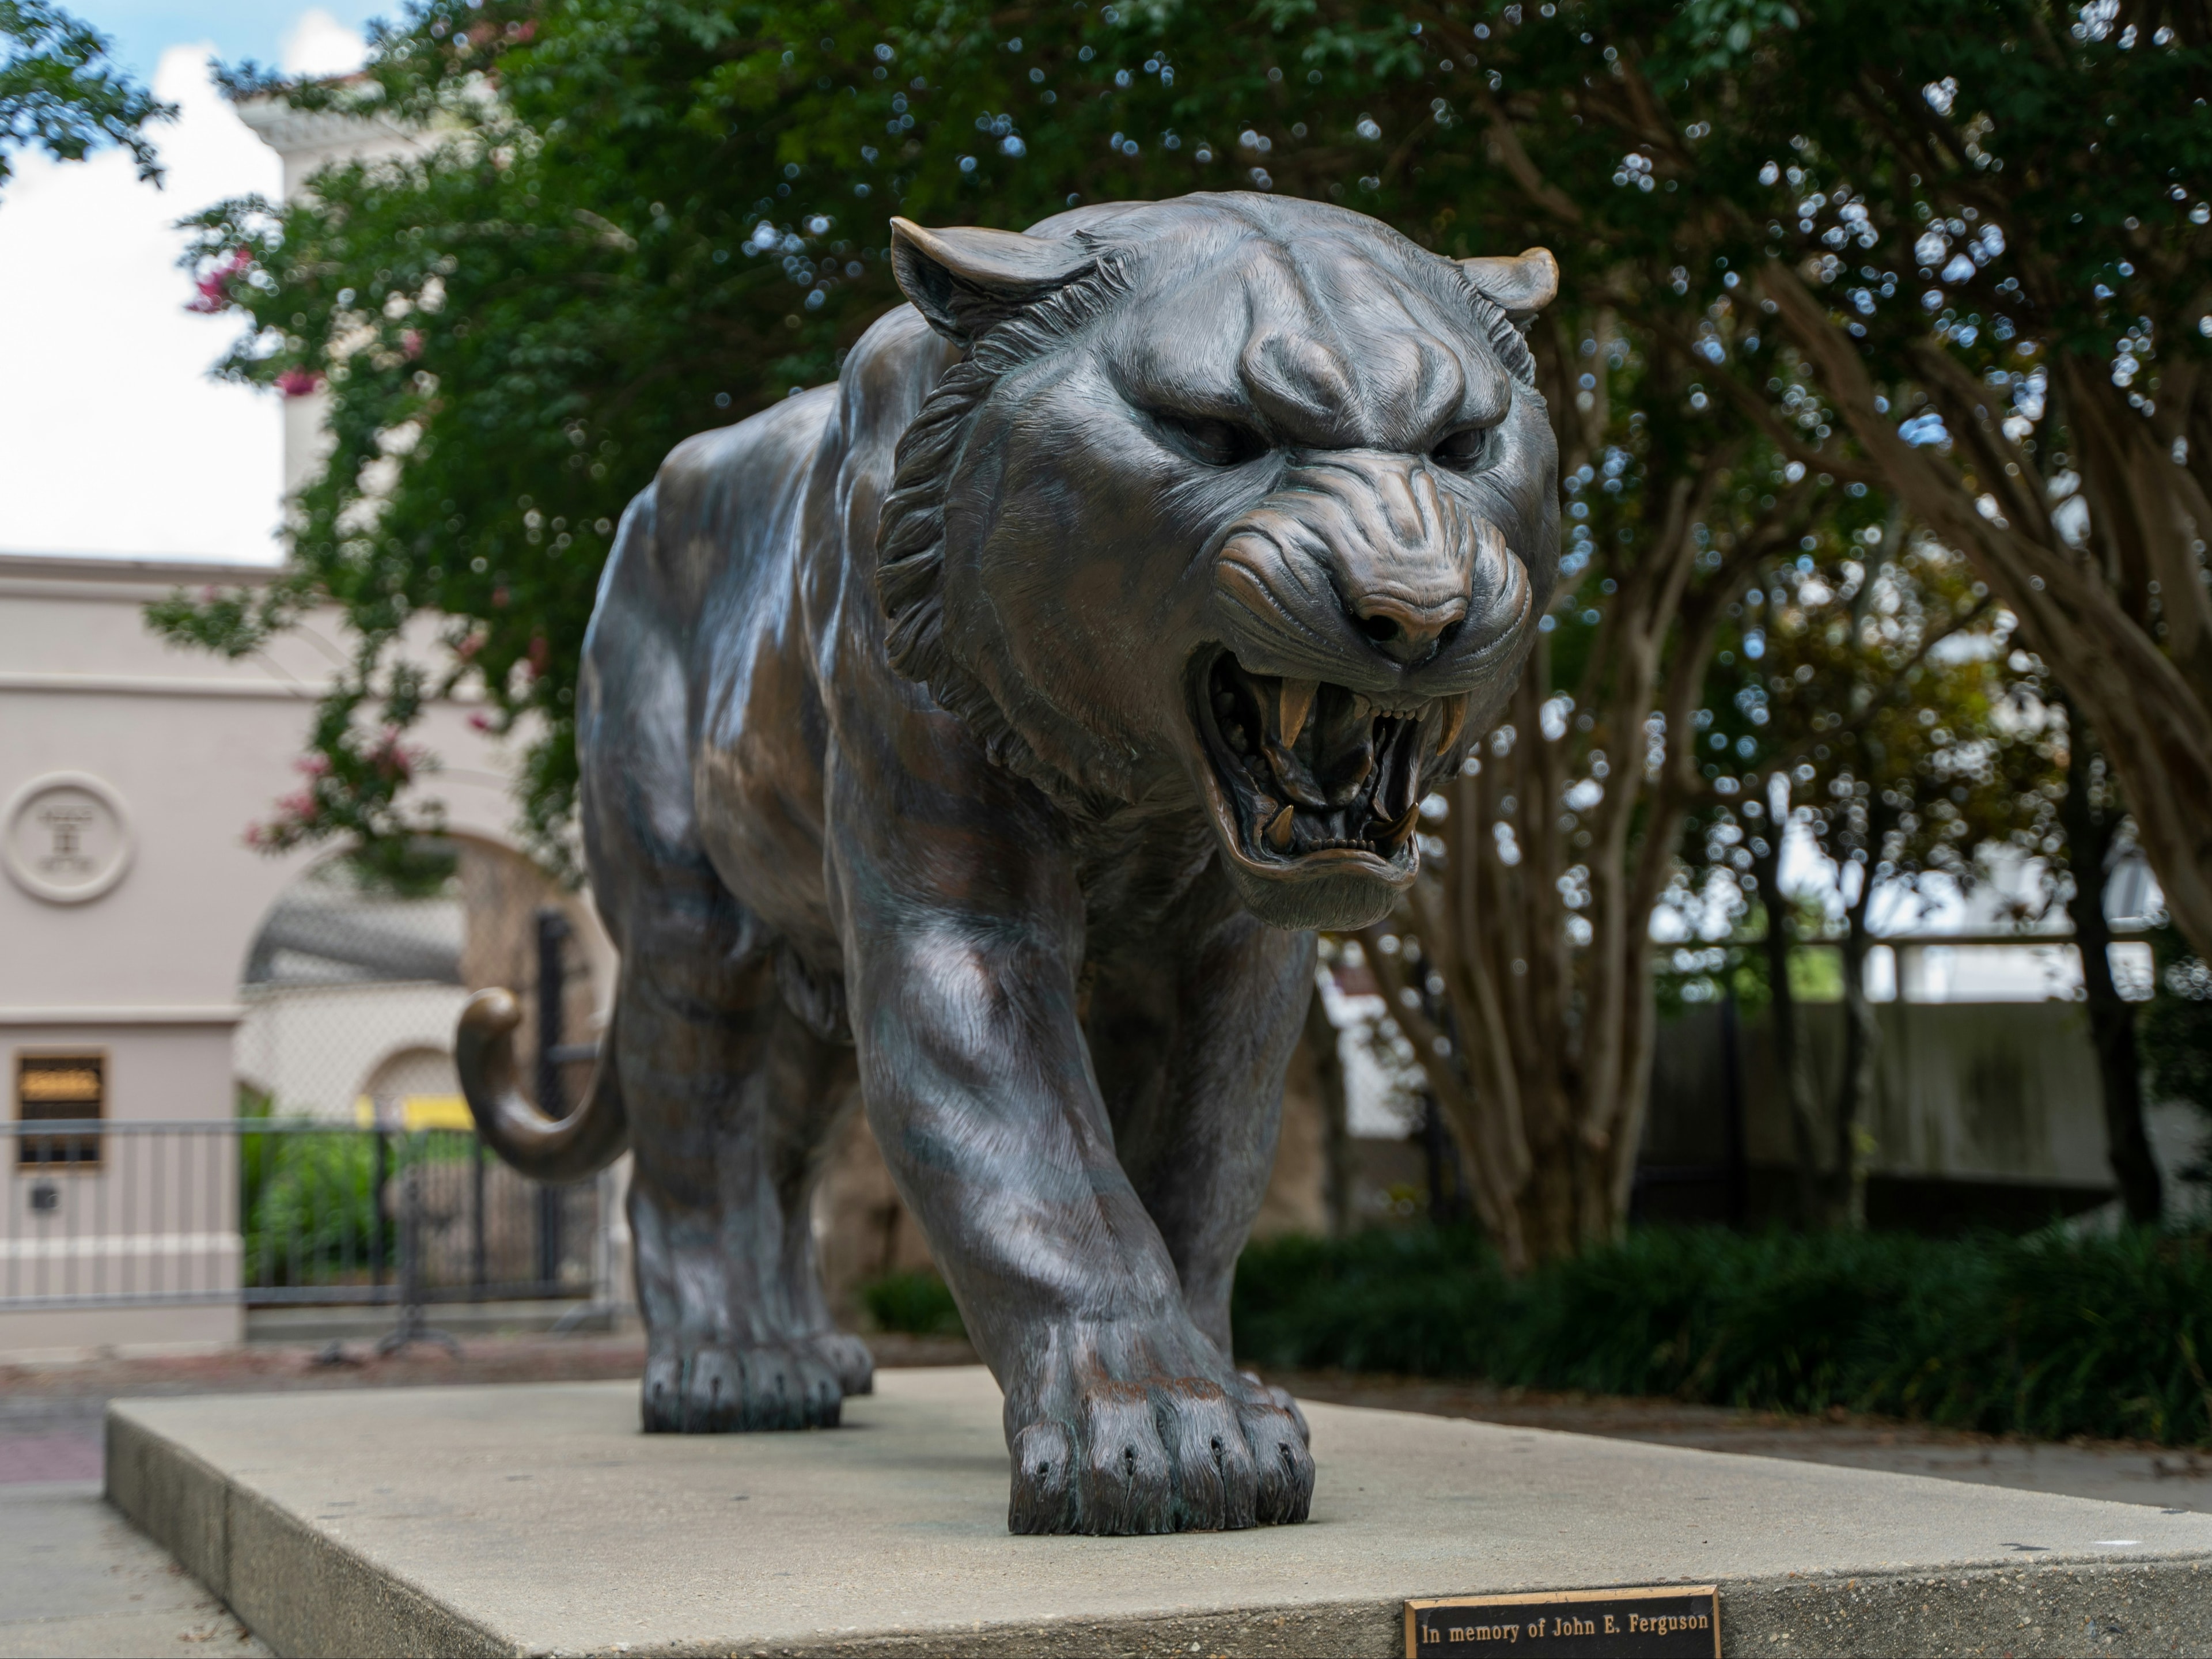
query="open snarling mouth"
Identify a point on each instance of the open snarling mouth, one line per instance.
(1303, 772)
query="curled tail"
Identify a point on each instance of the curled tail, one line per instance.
(545, 1149)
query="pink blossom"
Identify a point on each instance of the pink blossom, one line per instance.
(411, 342)
(392, 758)
(297, 382)
(215, 287)
(480, 721)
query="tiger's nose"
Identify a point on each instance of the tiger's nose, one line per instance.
(1407, 632)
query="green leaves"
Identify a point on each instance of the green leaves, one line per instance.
(632, 221)
(58, 94)
(1722, 32)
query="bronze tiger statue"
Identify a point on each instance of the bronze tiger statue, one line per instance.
(982, 737)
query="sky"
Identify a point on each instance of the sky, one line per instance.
(113, 438)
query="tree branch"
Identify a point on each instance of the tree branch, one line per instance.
(1779, 433)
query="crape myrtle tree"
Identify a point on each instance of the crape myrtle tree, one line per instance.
(1868, 699)
(1836, 188)
(639, 220)
(1979, 233)
(2057, 182)
(59, 93)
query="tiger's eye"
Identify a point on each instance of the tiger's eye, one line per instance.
(1210, 440)
(1463, 450)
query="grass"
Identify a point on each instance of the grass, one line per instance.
(2043, 1336)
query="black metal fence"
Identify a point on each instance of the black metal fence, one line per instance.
(277, 1212)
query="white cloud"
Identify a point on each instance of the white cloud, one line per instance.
(319, 44)
(113, 438)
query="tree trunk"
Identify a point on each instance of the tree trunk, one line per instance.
(1855, 1078)
(1321, 1039)
(1782, 1021)
(2090, 834)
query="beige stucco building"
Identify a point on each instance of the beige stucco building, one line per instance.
(130, 902)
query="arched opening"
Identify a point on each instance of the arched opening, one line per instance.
(362, 965)
(369, 1177)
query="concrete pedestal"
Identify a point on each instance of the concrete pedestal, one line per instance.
(538, 1520)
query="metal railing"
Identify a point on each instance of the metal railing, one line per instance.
(272, 1212)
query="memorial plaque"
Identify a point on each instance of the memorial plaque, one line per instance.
(1665, 1621)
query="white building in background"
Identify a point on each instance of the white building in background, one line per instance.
(151, 961)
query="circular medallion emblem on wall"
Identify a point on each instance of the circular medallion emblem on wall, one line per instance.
(67, 837)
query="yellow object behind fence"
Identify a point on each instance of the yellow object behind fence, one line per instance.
(420, 1112)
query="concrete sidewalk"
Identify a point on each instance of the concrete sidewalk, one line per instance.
(77, 1580)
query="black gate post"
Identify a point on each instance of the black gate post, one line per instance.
(1441, 1154)
(552, 981)
(379, 1220)
(413, 1323)
(476, 1219)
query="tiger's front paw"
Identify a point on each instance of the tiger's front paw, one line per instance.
(1208, 1450)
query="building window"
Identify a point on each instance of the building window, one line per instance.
(57, 1089)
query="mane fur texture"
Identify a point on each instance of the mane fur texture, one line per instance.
(910, 541)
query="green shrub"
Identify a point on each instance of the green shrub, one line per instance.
(916, 1303)
(2044, 1336)
(308, 1203)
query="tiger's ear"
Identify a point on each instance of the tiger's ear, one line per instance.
(1520, 286)
(963, 281)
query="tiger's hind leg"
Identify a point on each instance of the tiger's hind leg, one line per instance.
(731, 1101)
(731, 1095)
